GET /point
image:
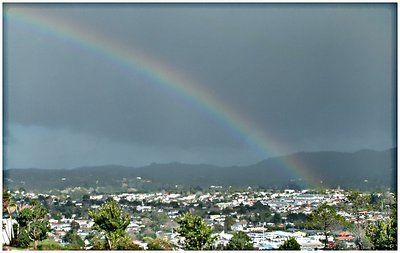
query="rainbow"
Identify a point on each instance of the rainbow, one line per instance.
(163, 77)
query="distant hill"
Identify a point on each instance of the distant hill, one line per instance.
(363, 170)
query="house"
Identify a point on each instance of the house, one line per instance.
(344, 236)
(237, 227)
(223, 239)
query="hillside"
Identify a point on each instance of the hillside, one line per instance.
(363, 170)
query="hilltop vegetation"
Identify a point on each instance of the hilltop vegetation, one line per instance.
(362, 170)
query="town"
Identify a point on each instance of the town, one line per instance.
(267, 217)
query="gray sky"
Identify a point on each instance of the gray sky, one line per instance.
(314, 77)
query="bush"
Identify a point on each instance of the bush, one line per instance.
(158, 244)
(73, 246)
(74, 239)
(50, 245)
(130, 246)
(197, 233)
(290, 244)
(240, 241)
(22, 239)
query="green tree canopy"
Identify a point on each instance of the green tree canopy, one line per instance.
(111, 221)
(359, 201)
(325, 218)
(33, 221)
(290, 244)
(383, 234)
(277, 218)
(74, 240)
(229, 221)
(75, 226)
(6, 200)
(240, 241)
(196, 233)
(158, 244)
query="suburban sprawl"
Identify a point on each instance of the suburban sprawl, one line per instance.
(268, 218)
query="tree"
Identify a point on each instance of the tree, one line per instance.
(359, 202)
(325, 218)
(74, 240)
(157, 220)
(383, 234)
(196, 233)
(22, 239)
(34, 223)
(340, 245)
(111, 221)
(6, 200)
(86, 198)
(96, 241)
(229, 221)
(290, 244)
(277, 218)
(50, 245)
(298, 219)
(240, 241)
(158, 244)
(72, 237)
(75, 226)
(293, 217)
(218, 228)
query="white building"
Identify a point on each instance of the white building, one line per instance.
(7, 232)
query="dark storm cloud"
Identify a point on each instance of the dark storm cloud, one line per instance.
(315, 77)
(72, 88)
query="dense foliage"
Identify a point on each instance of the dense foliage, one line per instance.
(158, 244)
(33, 224)
(240, 241)
(326, 219)
(112, 222)
(383, 234)
(290, 244)
(196, 233)
(72, 238)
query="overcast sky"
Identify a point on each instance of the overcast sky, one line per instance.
(313, 77)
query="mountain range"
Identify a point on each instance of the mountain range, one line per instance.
(361, 170)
